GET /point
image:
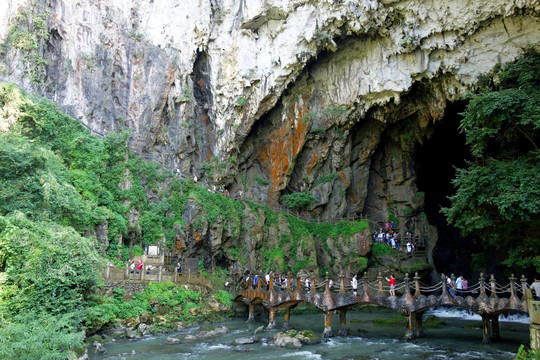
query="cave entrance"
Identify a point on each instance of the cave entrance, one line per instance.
(435, 162)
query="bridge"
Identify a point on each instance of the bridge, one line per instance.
(411, 305)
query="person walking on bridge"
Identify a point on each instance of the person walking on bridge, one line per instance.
(392, 282)
(354, 283)
(450, 286)
(536, 287)
(459, 285)
(255, 281)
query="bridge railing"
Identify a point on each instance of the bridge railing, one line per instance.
(157, 274)
(490, 287)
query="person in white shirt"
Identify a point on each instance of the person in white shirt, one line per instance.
(536, 287)
(459, 285)
(354, 283)
(267, 279)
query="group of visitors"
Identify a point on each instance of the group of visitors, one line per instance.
(389, 236)
(139, 267)
(280, 281)
(460, 285)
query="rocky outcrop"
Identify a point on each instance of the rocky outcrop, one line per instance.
(270, 97)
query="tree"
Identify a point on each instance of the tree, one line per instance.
(497, 197)
(299, 200)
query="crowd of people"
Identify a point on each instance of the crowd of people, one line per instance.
(388, 235)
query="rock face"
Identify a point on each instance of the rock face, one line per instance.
(271, 97)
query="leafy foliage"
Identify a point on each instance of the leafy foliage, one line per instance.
(46, 266)
(498, 195)
(34, 335)
(224, 297)
(299, 200)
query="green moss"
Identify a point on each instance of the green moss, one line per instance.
(381, 249)
(394, 320)
(433, 322)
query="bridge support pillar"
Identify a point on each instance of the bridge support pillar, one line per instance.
(343, 323)
(495, 331)
(486, 329)
(271, 319)
(409, 334)
(286, 319)
(327, 325)
(418, 317)
(251, 313)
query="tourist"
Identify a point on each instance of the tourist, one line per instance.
(132, 267)
(409, 248)
(139, 266)
(354, 283)
(392, 282)
(450, 286)
(308, 284)
(459, 285)
(330, 284)
(267, 279)
(536, 287)
(179, 268)
(255, 281)
(465, 285)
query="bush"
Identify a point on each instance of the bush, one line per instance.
(34, 335)
(299, 200)
(224, 297)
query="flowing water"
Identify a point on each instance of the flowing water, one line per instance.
(366, 341)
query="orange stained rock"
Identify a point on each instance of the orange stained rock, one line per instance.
(255, 229)
(312, 161)
(344, 178)
(197, 236)
(201, 84)
(278, 154)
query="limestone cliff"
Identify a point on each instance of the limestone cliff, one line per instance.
(270, 97)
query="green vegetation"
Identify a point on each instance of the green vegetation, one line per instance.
(261, 181)
(393, 321)
(433, 322)
(325, 179)
(527, 354)
(498, 193)
(422, 268)
(241, 101)
(157, 298)
(27, 35)
(58, 182)
(299, 200)
(381, 249)
(224, 297)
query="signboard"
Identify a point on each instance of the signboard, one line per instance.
(153, 250)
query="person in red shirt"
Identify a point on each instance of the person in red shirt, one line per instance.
(392, 281)
(139, 266)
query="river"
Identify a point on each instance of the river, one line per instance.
(366, 341)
